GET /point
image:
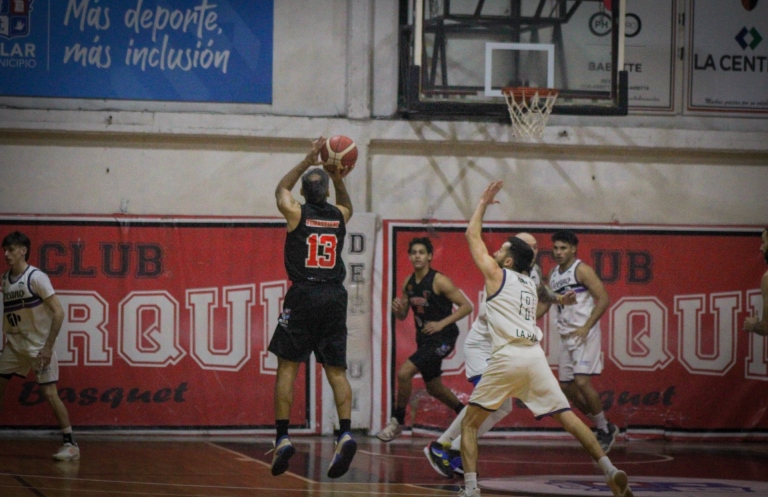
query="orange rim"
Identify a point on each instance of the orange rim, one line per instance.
(526, 92)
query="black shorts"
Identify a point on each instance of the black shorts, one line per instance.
(314, 319)
(430, 352)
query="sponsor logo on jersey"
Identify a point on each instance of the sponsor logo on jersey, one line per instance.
(419, 301)
(285, 316)
(561, 283)
(322, 223)
(16, 294)
(444, 350)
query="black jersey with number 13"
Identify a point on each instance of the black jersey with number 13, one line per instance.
(313, 250)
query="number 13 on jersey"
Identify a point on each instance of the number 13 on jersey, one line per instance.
(321, 251)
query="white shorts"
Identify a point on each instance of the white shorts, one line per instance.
(20, 365)
(477, 351)
(523, 372)
(577, 357)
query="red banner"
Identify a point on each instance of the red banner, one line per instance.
(166, 322)
(675, 358)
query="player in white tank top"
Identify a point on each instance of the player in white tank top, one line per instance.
(579, 329)
(571, 317)
(32, 318)
(27, 322)
(518, 367)
(443, 454)
(512, 312)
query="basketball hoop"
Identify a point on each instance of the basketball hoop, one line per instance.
(529, 109)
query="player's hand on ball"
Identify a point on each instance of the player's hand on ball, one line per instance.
(337, 171)
(313, 157)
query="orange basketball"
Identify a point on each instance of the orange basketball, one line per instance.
(339, 151)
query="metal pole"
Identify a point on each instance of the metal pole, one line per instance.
(622, 32)
(419, 33)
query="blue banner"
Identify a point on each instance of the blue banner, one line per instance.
(166, 50)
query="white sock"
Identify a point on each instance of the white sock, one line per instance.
(600, 422)
(470, 482)
(454, 430)
(606, 465)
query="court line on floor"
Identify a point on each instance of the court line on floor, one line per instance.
(27, 485)
(303, 491)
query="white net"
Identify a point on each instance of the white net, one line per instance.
(529, 109)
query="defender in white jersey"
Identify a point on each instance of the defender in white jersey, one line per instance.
(518, 366)
(32, 317)
(443, 454)
(579, 329)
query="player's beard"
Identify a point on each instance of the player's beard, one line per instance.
(765, 256)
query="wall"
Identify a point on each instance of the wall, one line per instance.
(215, 165)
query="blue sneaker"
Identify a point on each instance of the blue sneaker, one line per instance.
(345, 451)
(284, 450)
(437, 455)
(456, 464)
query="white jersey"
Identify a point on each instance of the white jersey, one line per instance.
(512, 312)
(573, 316)
(26, 320)
(477, 345)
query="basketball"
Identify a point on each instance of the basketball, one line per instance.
(339, 151)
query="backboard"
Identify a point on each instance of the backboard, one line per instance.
(457, 55)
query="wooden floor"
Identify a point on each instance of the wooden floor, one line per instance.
(135, 467)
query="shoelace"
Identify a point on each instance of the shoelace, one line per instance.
(274, 446)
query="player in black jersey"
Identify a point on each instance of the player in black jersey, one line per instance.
(431, 295)
(314, 316)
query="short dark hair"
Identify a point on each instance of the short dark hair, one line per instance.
(422, 240)
(521, 253)
(566, 236)
(18, 238)
(314, 185)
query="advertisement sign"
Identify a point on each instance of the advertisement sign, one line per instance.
(166, 324)
(675, 357)
(728, 56)
(138, 50)
(649, 51)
